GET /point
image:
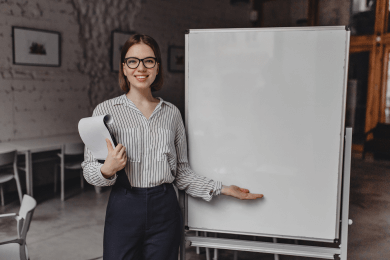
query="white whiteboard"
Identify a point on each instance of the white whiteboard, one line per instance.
(265, 111)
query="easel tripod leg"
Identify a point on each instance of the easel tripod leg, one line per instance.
(275, 240)
(197, 248)
(215, 250)
(207, 249)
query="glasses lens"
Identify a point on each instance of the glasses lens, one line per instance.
(132, 63)
(149, 63)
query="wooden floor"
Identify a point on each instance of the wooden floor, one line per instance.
(74, 229)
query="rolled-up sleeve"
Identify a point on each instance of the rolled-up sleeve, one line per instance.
(91, 166)
(186, 179)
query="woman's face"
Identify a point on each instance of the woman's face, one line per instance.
(140, 77)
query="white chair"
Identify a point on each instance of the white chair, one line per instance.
(16, 247)
(9, 171)
(67, 151)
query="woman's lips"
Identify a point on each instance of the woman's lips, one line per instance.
(141, 78)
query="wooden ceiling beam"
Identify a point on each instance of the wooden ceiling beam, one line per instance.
(362, 41)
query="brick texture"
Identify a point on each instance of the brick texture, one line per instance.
(45, 101)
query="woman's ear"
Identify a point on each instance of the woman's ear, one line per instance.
(158, 68)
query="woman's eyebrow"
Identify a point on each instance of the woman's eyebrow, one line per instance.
(139, 58)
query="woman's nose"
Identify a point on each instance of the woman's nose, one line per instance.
(141, 66)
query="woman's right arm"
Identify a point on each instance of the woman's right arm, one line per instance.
(92, 168)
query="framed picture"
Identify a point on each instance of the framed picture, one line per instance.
(176, 59)
(118, 39)
(36, 47)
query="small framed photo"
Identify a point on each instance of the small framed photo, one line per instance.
(118, 39)
(176, 59)
(36, 47)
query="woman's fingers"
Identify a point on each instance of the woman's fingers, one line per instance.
(249, 196)
(121, 152)
(244, 190)
(252, 196)
(118, 148)
(122, 156)
(243, 194)
(116, 159)
(109, 145)
(240, 189)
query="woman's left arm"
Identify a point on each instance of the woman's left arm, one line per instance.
(201, 186)
(185, 179)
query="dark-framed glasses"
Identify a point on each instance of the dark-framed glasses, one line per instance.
(133, 62)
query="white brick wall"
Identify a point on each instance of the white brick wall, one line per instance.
(41, 101)
(45, 101)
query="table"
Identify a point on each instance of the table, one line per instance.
(35, 145)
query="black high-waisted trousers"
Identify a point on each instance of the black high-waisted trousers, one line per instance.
(142, 223)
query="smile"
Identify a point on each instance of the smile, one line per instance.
(141, 77)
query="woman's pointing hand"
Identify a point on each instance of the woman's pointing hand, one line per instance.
(239, 193)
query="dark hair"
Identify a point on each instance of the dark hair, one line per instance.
(136, 39)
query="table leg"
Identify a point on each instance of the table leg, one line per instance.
(63, 172)
(98, 190)
(62, 178)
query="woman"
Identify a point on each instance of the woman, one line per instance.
(144, 222)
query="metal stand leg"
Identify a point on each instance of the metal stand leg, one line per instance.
(215, 250)
(207, 249)
(346, 186)
(275, 240)
(197, 248)
(207, 253)
(235, 254)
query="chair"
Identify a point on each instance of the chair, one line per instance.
(73, 154)
(7, 173)
(16, 247)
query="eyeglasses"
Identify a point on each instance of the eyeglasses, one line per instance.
(133, 63)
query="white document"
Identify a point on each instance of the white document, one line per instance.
(94, 132)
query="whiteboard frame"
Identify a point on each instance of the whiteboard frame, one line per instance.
(273, 29)
(342, 130)
(346, 63)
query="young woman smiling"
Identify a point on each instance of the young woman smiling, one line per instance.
(144, 222)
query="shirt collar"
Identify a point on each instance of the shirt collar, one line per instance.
(123, 100)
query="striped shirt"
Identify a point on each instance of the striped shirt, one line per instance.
(156, 149)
